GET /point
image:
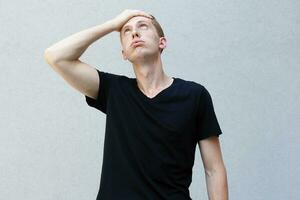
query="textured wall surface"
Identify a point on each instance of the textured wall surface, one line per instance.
(246, 53)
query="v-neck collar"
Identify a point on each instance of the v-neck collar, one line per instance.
(158, 95)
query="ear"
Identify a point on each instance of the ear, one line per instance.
(162, 43)
(124, 55)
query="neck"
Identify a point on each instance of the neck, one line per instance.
(151, 77)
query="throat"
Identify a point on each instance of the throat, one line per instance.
(153, 92)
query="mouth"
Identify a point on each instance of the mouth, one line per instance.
(137, 43)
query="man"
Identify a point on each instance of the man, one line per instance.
(153, 121)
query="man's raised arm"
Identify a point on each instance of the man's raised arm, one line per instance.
(63, 56)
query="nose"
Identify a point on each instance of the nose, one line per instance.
(135, 33)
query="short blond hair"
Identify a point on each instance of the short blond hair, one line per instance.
(158, 28)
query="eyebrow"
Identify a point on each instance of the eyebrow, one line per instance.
(140, 21)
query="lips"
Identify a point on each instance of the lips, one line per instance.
(136, 43)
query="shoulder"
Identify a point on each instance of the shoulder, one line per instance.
(191, 86)
(113, 77)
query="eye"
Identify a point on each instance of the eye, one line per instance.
(126, 30)
(143, 25)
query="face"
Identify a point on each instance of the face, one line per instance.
(140, 28)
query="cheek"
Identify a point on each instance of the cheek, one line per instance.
(125, 45)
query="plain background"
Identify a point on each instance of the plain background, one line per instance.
(246, 53)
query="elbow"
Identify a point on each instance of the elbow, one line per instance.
(220, 169)
(49, 57)
(52, 58)
(210, 172)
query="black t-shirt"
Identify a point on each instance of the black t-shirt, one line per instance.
(150, 143)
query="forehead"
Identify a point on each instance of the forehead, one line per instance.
(136, 19)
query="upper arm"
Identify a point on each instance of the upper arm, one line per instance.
(79, 75)
(211, 153)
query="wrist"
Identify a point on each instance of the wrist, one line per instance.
(112, 24)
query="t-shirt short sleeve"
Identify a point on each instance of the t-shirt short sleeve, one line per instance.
(207, 123)
(105, 84)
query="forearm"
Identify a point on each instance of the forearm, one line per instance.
(217, 186)
(72, 47)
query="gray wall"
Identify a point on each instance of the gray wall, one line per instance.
(245, 52)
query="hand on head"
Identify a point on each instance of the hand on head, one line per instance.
(126, 15)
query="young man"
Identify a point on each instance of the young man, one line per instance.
(153, 121)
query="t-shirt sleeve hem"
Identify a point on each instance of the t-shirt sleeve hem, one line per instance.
(90, 101)
(217, 134)
(99, 102)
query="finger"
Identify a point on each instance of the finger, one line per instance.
(147, 15)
